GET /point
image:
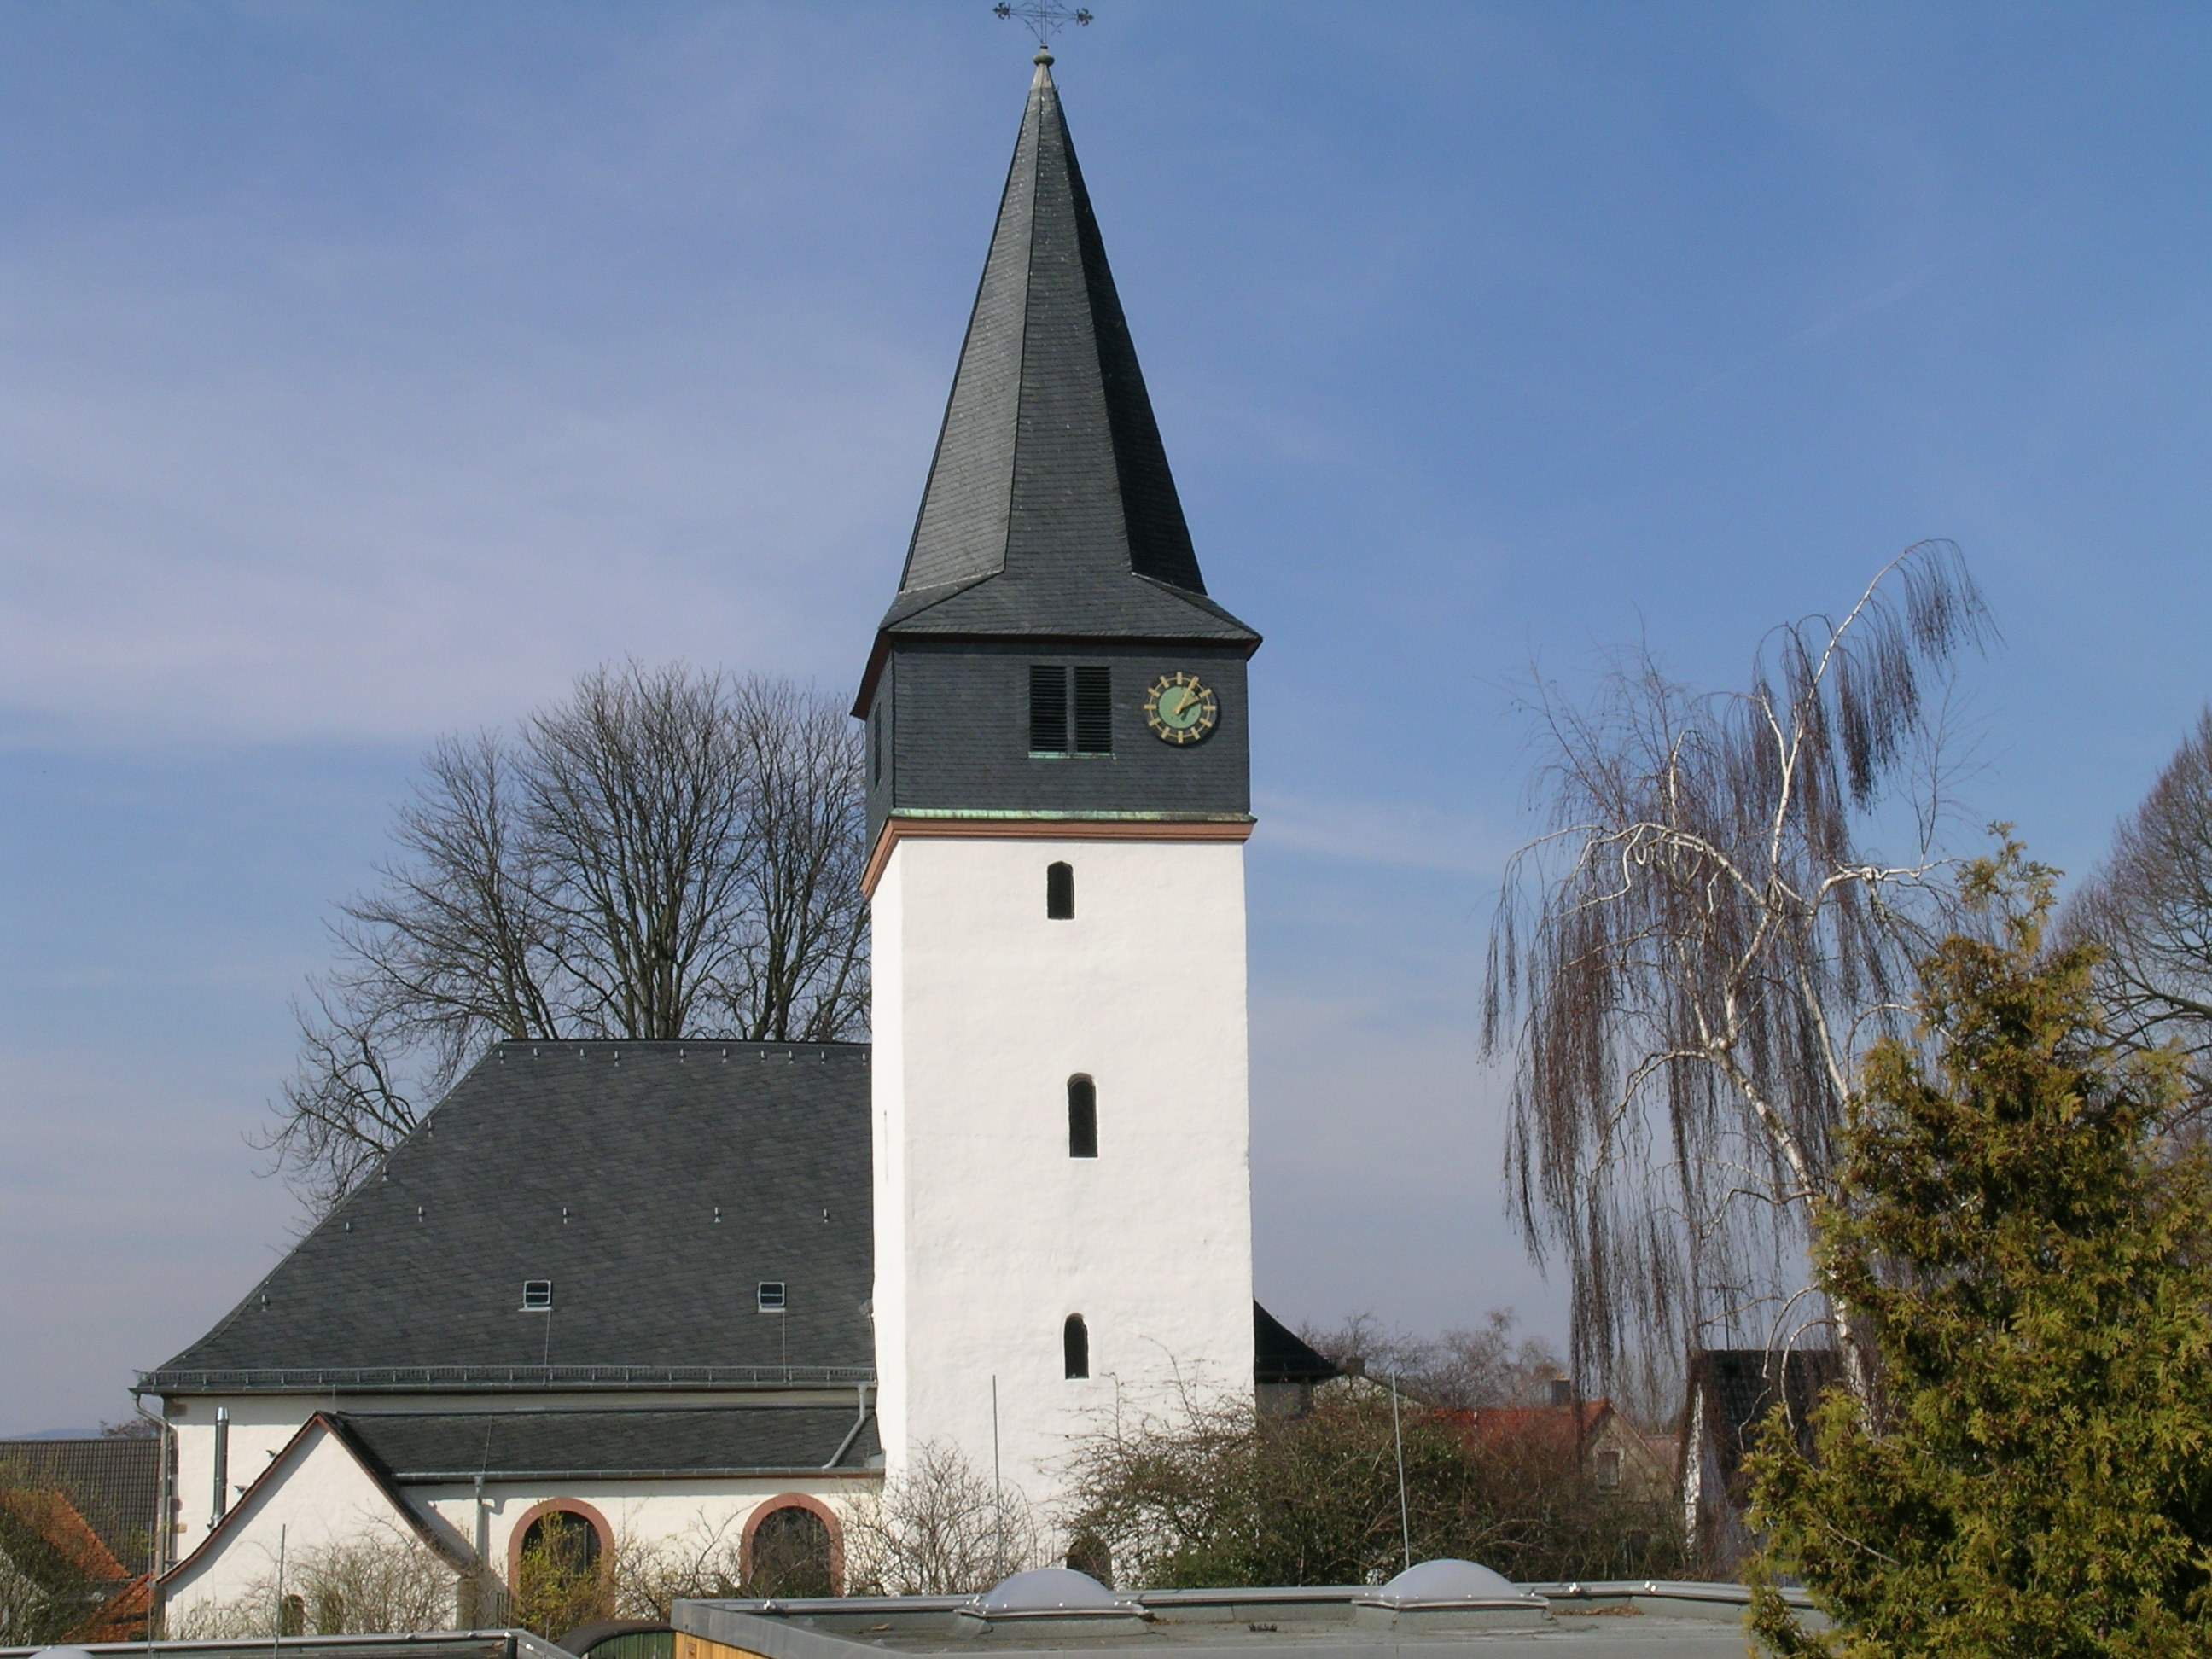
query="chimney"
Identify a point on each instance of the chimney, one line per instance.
(1563, 1391)
(221, 1494)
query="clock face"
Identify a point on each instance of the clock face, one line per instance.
(1181, 709)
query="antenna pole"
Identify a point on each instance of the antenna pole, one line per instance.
(1398, 1438)
(277, 1628)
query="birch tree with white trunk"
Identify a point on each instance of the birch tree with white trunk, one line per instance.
(1686, 967)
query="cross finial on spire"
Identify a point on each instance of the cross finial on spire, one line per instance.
(1044, 20)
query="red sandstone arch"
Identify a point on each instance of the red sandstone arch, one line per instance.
(797, 1500)
(576, 1506)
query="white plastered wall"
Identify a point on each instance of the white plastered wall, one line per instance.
(262, 1425)
(987, 1233)
(697, 1518)
(319, 1495)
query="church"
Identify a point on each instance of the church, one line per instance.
(641, 1288)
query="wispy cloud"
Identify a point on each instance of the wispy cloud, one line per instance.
(1882, 296)
(1406, 835)
(262, 556)
(280, 462)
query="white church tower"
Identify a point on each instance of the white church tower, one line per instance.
(1059, 798)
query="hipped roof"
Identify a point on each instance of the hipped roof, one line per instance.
(656, 1185)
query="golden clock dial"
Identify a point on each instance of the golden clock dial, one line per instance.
(1182, 708)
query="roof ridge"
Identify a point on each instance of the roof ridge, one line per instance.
(851, 1043)
(840, 1399)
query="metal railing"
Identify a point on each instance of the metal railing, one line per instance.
(435, 1377)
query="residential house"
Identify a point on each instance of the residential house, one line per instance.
(77, 1521)
(1730, 1393)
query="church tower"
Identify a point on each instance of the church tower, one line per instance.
(1059, 796)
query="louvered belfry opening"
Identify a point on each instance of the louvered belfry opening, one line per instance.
(1094, 709)
(1048, 708)
(1085, 691)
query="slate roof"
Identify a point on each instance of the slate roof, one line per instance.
(1280, 1354)
(113, 1481)
(656, 1184)
(431, 1447)
(1050, 509)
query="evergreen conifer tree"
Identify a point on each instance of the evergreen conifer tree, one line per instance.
(2035, 1474)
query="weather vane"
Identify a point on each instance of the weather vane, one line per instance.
(1044, 19)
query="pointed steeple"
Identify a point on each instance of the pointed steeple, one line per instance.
(1050, 510)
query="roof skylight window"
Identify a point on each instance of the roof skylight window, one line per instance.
(537, 1296)
(770, 1296)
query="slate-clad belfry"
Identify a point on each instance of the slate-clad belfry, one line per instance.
(1059, 794)
(705, 1295)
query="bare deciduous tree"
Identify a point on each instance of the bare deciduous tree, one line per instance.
(384, 1581)
(1216, 1493)
(2150, 907)
(1462, 1370)
(938, 1528)
(666, 853)
(563, 1582)
(1687, 969)
(54, 1572)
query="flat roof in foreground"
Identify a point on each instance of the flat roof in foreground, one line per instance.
(1677, 1620)
(426, 1645)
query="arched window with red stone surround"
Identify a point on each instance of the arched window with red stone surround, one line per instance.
(567, 1531)
(792, 1546)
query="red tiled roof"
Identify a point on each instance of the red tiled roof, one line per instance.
(123, 1617)
(1562, 1428)
(114, 1482)
(51, 1515)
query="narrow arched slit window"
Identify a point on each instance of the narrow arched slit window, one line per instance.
(1075, 1346)
(1060, 892)
(1082, 1117)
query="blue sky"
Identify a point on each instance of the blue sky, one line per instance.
(367, 372)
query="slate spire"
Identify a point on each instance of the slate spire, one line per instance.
(1050, 509)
